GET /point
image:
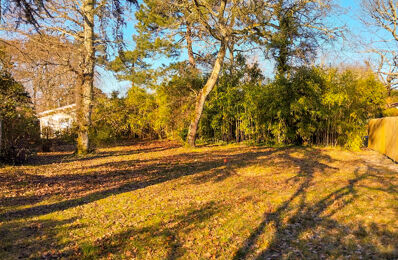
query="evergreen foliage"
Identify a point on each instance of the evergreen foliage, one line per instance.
(20, 128)
(315, 105)
(121, 118)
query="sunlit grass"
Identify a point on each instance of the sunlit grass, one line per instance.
(160, 201)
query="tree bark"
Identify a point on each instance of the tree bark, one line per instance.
(211, 82)
(1, 135)
(84, 93)
(188, 38)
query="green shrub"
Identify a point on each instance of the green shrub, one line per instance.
(20, 127)
(314, 105)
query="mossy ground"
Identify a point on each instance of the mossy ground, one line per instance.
(161, 201)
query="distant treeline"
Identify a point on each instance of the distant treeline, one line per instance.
(312, 105)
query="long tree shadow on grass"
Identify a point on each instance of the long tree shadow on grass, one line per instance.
(208, 167)
(131, 175)
(326, 238)
(163, 235)
(35, 239)
(120, 180)
(40, 239)
(137, 148)
(26, 188)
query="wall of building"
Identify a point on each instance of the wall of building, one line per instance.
(56, 121)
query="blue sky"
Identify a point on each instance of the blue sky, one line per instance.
(345, 50)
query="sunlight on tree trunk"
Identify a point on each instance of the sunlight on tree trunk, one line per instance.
(211, 82)
(85, 91)
(1, 134)
(188, 38)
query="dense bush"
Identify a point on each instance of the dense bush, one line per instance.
(234, 106)
(175, 100)
(327, 106)
(20, 127)
(123, 118)
(160, 112)
(313, 105)
(392, 99)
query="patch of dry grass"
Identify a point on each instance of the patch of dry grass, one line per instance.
(159, 200)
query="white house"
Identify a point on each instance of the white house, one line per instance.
(56, 120)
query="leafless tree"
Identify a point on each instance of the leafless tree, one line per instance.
(382, 15)
(45, 65)
(93, 26)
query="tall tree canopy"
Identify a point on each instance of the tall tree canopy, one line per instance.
(46, 70)
(206, 31)
(26, 11)
(85, 23)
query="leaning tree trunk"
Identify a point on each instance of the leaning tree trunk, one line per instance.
(211, 82)
(85, 90)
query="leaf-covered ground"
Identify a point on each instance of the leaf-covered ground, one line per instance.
(162, 201)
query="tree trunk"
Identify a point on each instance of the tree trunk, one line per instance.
(84, 93)
(1, 135)
(211, 82)
(188, 38)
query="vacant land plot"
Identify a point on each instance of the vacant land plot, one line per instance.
(159, 200)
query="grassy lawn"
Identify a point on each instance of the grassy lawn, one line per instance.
(162, 201)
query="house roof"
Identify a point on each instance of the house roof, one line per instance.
(57, 110)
